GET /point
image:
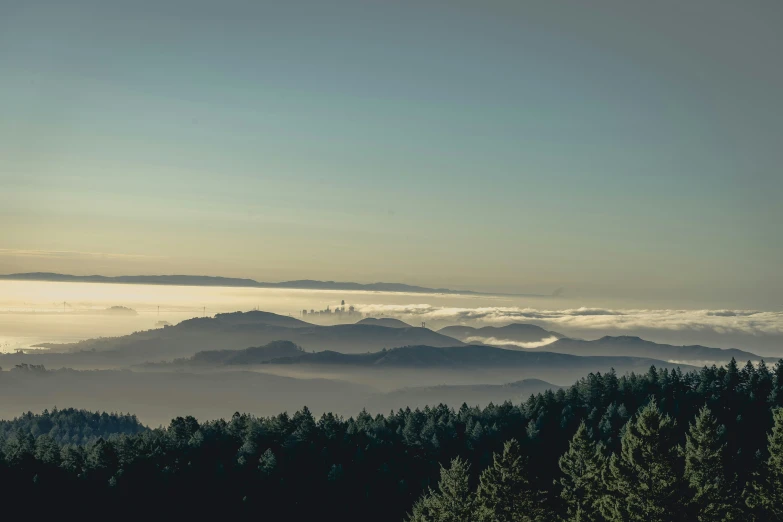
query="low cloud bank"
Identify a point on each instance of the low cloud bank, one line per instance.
(510, 342)
(748, 322)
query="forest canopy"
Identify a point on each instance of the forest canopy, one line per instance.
(664, 445)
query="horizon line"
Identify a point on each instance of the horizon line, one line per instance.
(238, 282)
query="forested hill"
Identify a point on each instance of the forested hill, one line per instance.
(71, 426)
(658, 446)
(635, 346)
(519, 332)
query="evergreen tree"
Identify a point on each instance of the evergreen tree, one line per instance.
(765, 495)
(452, 502)
(424, 509)
(582, 487)
(47, 450)
(775, 460)
(304, 425)
(776, 394)
(20, 451)
(504, 492)
(267, 463)
(643, 480)
(712, 494)
(72, 459)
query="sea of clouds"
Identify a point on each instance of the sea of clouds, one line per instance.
(745, 322)
(494, 341)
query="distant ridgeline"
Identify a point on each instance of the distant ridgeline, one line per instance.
(191, 280)
(659, 446)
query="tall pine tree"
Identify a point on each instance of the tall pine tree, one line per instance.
(504, 492)
(765, 496)
(452, 502)
(582, 487)
(643, 480)
(713, 496)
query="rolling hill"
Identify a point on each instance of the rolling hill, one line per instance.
(469, 357)
(221, 358)
(637, 347)
(517, 332)
(237, 331)
(388, 322)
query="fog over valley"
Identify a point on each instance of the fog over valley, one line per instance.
(333, 351)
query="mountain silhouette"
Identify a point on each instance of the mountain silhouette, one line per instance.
(195, 280)
(238, 330)
(388, 322)
(468, 357)
(638, 347)
(518, 332)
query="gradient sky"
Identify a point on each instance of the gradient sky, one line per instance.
(612, 148)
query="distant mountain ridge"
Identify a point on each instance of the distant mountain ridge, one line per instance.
(192, 280)
(638, 347)
(519, 332)
(388, 322)
(248, 356)
(238, 330)
(469, 356)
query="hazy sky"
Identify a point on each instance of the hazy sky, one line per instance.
(612, 148)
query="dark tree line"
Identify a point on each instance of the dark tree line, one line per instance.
(665, 445)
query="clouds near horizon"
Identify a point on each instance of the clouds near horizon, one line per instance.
(747, 322)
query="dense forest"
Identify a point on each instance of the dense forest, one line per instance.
(664, 445)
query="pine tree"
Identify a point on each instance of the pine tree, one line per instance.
(267, 463)
(582, 488)
(47, 450)
(504, 492)
(643, 479)
(304, 423)
(410, 433)
(20, 451)
(776, 395)
(775, 460)
(732, 378)
(452, 502)
(765, 494)
(72, 459)
(423, 509)
(712, 494)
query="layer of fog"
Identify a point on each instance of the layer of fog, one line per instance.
(268, 389)
(509, 342)
(757, 331)
(157, 397)
(22, 324)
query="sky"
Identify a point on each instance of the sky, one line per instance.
(615, 149)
